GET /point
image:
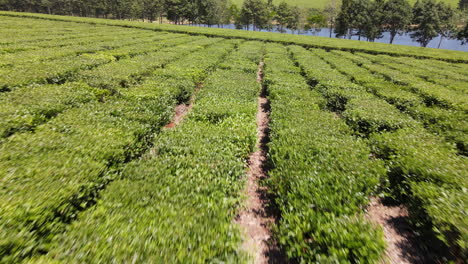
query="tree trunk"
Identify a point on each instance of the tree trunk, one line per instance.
(392, 37)
(331, 29)
(440, 42)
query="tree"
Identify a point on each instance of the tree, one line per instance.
(331, 12)
(254, 12)
(271, 9)
(354, 15)
(373, 20)
(234, 12)
(462, 35)
(427, 21)
(212, 12)
(447, 26)
(315, 20)
(343, 20)
(292, 22)
(283, 12)
(176, 10)
(396, 17)
(463, 4)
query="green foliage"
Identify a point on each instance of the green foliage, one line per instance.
(321, 174)
(88, 174)
(426, 17)
(433, 178)
(355, 15)
(320, 4)
(417, 161)
(432, 93)
(287, 16)
(317, 42)
(446, 122)
(463, 34)
(316, 21)
(25, 108)
(371, 115)
(254, 12)
(59, 68)
(75, 155)
(64, 48)
(396, 17)
(189, 183)
(129, 71)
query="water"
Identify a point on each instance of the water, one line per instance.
(405, 39)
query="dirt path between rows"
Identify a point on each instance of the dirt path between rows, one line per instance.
(181, 110)
(403, 246)
(257, 218)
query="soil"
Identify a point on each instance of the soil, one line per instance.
(403, 244)
(181, 110)
(257, 218)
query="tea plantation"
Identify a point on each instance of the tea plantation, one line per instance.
(90, 174)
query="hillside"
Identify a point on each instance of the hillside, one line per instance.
(131, 142)
(320, 4)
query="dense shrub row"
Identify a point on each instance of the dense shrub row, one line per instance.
(43, 31)
(177, 203)
(72, 157)
(125, 72)
(26, 107)
(446, 76)
(92, 44)
(91, 109)
(432, 93)
(451, 124)
(318, 42)
(362, 110)
(62, 69)
(32, 44)
(423, 171)
(322, 176)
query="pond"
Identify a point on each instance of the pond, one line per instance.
(404, 39)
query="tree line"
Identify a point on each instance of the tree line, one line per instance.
(426, 20)
(367, 19)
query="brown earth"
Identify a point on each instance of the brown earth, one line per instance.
(181, 110)
(257, 217)
(403, 244)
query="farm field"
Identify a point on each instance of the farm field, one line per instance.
(133, 143)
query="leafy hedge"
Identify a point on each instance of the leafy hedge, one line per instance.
(423, 171)
(447, 75)
(74, 156)
(432, 93)
(62, 69)
(363, 111)
(317, 42)
(26, 107)
(88, 44)
(450, 123)
(190, 182)
(322, 176)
